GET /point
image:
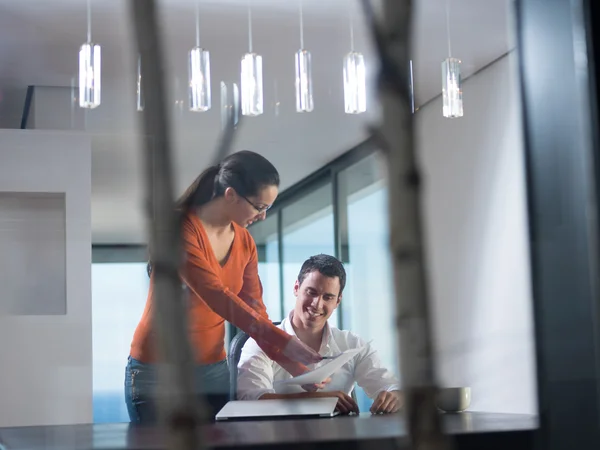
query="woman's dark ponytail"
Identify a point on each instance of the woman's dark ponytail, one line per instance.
(200, 192)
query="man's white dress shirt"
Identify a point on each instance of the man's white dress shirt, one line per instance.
(257, 373)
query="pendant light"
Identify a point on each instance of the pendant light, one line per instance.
(276, 103)
(139, 85)
(304, 86)
(412, 86)
(199, 73)
(355, 83)
(451, 82)
(179, 101)
(89, 68)
(230, 104)
(251, 77)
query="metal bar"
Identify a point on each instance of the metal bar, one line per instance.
(176, 399)
(340, 230)
(561, 134)
(280, 256)
(336, 233)
(27, 107)
(119, 254)
(393, 42)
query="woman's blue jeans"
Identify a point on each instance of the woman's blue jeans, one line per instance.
(211, 384)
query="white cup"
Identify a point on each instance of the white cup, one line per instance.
(453, 400)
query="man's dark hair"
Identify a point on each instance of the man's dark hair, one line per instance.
(326, 265)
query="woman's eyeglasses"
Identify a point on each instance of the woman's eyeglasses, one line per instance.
(259, 209)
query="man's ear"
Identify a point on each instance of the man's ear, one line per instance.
(339, 299)
(296, 288)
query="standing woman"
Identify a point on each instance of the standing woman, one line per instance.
(221, 273)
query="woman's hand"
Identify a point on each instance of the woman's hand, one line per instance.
(387, 402)
(298, 351)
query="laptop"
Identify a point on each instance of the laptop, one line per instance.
(278, 409)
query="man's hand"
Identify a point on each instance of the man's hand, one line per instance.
(345, 404)
(387, 402)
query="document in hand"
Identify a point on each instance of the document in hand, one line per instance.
(325, 371)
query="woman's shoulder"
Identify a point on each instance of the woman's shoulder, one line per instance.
(190, 224)
(191, 230)
(187, 221)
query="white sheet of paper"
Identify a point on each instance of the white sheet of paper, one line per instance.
(325, 371)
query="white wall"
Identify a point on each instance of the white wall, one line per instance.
(33, 241)
(54, 108)
(477, 235)
(46, 360)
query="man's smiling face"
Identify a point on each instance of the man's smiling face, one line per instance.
(316, 299)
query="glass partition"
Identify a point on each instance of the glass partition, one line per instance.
(267, 244)
(119, 293)
(307, 230)
(368, 302)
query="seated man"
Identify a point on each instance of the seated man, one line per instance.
(318, 292)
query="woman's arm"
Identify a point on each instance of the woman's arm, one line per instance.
(252, 294)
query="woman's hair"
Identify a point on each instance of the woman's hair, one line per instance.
(245, 171)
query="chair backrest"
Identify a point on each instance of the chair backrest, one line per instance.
(233, 358)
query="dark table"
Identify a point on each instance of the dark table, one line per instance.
(470, 430)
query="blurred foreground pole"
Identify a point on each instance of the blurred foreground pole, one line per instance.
(393, 40)
(177, 403)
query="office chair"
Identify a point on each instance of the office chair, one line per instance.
(233, 358)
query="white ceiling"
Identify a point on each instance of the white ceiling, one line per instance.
(41, 38)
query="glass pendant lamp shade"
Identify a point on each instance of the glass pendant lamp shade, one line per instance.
(230, 104)
(304, 87)
(224, 106)
(355, 86)
(199, 75)
(411, 86)
(140, 86)
(451, 88)
(235, 102)
(89, 75)
(452, 103)
(252, 85)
